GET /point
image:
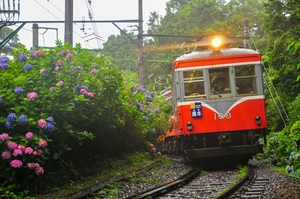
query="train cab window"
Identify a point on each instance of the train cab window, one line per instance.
(193, 83)
(245, 80)
(219, 83)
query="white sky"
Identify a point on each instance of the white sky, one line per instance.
(54, 10)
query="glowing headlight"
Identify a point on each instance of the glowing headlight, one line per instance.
(216, 42)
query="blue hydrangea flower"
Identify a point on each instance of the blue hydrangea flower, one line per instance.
(19, 90)
(4, 60)
(153, 130)
(11, 117)
(85, 88)
(145, 118)
(22, 57)
(132, 88)
(292, 153)
(22, 119)
(27, 67)
(1, 99)
(9, 125)
(4, 66)
(50, 119)
(157, 110)
(149, 98)
(49, 127)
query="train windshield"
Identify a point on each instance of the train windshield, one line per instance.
(193, 82)
(245, 80)
(219, 83)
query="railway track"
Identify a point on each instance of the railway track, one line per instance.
(259, 182)
(195, 185)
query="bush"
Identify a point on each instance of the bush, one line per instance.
(65, 98)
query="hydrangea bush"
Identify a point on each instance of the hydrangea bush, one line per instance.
(283, 149)
(47, 97)
(50, 99)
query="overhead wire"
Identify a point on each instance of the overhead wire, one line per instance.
(272, 89)
(56, 16)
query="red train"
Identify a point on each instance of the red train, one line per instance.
(218, 101)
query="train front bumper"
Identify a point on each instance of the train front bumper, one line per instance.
(223, 151)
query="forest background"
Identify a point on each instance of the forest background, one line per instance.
(274, 31)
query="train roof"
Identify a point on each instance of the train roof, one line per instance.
(210, 53)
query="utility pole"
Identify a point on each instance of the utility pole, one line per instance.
(140, 43)
(69, 21)
(246, 34)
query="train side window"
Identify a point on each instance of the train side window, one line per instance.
(245, 80)
(220, 83)
(193, 83)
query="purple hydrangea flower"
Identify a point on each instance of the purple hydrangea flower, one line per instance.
(153, 130)
(19, 90)
(1, 99)
(22, 57)
(27, 67)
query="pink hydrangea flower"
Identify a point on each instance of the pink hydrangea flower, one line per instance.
(152, 145)
(16, 163)
(6, 155)
(59, 63)
(39, 152)
(68, 56)
(28, 150)
(93, 71)
(29, 135)
(90, 94)
(55, 156)
(60, 83)
(12, 145)
(43, 143)
(32, 96)
(42, 123)
(52, 89)
(21, 147)
(17, 152)
(153, 149)
(39, 170)
(39, 53)
(4, 136)
(83, 91)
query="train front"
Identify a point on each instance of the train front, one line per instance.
(218, 101)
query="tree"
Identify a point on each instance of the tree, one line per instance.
(13, 42)
(282, 25)
(124, 49)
